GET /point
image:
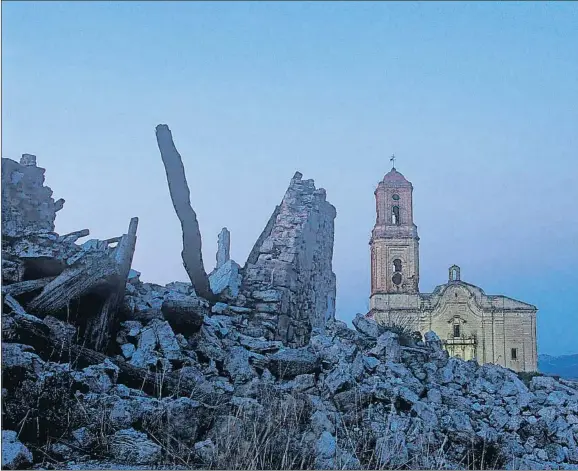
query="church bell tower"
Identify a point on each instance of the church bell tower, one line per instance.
(394, 240)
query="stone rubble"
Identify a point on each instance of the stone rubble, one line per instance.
(14, 454)
(196, 383)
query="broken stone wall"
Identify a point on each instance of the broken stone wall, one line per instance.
(288, 275)
(27, 205)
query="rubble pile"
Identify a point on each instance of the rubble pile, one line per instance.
(99, 368)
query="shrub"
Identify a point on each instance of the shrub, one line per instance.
(404, 327)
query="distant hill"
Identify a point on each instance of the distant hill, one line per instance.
(565, 366)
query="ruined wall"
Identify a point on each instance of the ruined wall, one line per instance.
(27, 205)
(289, 276)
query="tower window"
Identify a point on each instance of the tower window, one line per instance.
(397, 265)
(396, 278)
(457, 332)
(395, 216)
(514, 353)
(395, 197)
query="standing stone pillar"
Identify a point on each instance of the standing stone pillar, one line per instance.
(181, 198)
(223, 247)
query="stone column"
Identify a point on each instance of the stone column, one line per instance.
(181, 197)
(223, 247)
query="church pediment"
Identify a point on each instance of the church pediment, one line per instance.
(459, 292)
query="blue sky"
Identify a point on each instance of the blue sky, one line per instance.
(477, 100)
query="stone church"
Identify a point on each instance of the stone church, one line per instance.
(471, 324)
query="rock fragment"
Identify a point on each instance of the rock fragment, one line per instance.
(14, 454)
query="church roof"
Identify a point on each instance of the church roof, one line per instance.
(486, 301)
(393, 176)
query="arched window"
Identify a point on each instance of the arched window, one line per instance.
(395, 216)
(397, 265)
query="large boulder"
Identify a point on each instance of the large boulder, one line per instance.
(156, 343)
(292, 362)
(184, 419)
(238, 364)
(185, 314)
(98, 378)
(19, 360)
(387, 347)
(134, 448)
(259, 345)
(367, 327)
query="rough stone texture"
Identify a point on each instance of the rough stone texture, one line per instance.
(223, 247)
(132, 447)
(156, 342)
(184, 314)
(98, 378)
(387, 347)
(14, 454)
(367, 326)
(185, 417)
(289, 272)
(226, 280)
(27, 205)
(20, 357)
(205, 450)
(291, 362)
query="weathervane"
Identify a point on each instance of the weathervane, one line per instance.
(392, 160)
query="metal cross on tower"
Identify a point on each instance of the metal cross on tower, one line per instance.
(393, 160)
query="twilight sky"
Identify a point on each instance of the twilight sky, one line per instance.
(479, 101)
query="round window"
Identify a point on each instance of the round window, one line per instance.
(395, 197)
(396, 278)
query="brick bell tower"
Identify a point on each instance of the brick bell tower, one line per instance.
(394, 240)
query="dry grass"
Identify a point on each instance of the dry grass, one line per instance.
(272, 435)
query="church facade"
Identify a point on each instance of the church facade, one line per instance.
(471, 324)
